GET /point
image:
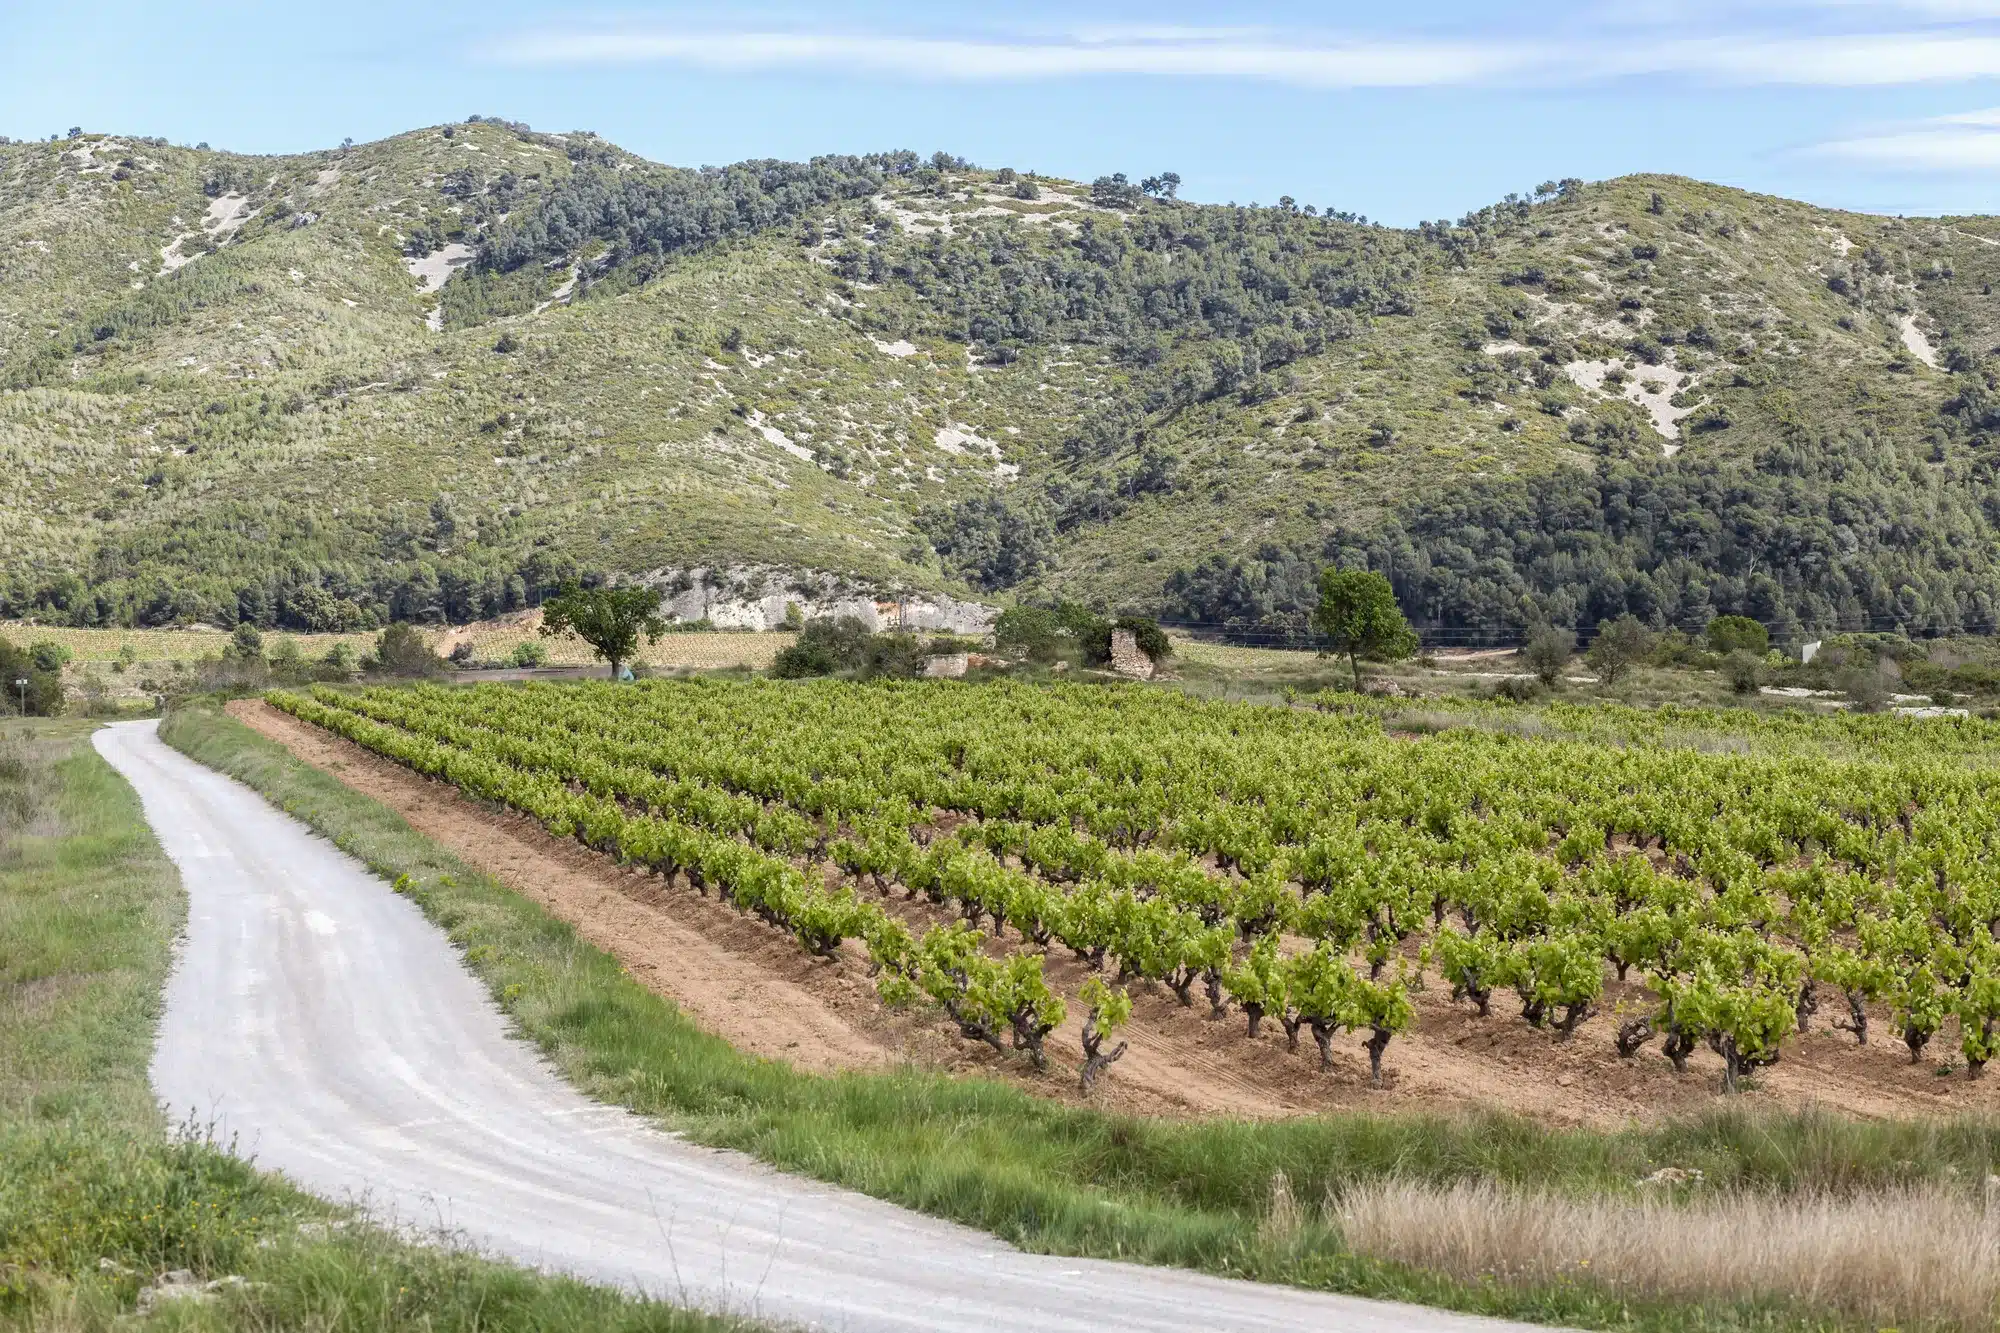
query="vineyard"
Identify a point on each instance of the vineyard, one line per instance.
(492, 643)
(1706, 882)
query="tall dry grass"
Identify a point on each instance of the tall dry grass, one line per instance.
(1923, 1255)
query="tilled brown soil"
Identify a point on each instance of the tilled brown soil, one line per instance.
(752, 985)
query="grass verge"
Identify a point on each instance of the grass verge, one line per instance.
(1199, 1194)
(98, 1203)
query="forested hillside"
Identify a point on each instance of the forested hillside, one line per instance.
(428, 378)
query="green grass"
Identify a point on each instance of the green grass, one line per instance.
(96, 1198)
(1061, 1179)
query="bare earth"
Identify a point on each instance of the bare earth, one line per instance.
(318, 1022)
(709, 959)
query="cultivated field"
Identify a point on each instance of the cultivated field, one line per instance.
(1592, 914)
(493, 642)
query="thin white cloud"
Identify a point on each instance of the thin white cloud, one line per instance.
(1338, 64)
(1846, 60)
(1966, 142)
(1957, 53)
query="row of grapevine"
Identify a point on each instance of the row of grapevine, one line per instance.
(1299, 864)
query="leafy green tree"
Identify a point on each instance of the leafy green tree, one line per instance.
(1359, 616)
(610, 620)
(338, 664)
(1729, 634)
(49, 655)
(1034, 632)
(42, 696)
(1547, 651)
(401, 651)
(288, 664)
(1620, 645)
(245, 643)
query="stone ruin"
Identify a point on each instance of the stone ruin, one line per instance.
(1126, 657)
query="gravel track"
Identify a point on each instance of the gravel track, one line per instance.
(322, 1019)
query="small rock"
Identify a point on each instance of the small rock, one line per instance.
(1565, 1080)
(180, 1285)
(1673, 1175)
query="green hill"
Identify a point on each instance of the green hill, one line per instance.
(428, 377)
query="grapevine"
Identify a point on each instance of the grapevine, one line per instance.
(1300, 863)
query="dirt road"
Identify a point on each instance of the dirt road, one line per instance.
(321, 1018)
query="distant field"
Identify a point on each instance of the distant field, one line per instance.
(1235, 657)
(490, 643)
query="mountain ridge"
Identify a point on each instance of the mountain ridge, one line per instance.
(428, 377)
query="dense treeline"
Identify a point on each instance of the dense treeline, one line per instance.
(257, 566)
(654, 214)
(1268, 285)
(1840, 532)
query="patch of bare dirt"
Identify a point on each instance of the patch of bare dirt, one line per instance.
(752, 985)
(718, 976)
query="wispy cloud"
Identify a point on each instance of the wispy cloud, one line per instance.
(1694, 51)
(1358, 63)
(1966, 142)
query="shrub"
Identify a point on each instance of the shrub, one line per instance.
(1519, 689)
(528, 653)
(830, 646)
(1620, 645)
(338, 664)
(245, 643)
(42, 696)
(1744, 670)
(825, 646)
(1033, 632)
(898, 653)
(1547, 651)
(401, 651)
(1867, 686)
(1728, 634)
(48, 655)
(288, 663)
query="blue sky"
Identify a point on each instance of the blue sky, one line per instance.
(1402, 112)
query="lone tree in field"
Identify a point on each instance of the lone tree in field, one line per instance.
(610, 620)
(1359, 616)
(1546, 652)
(1620, 645)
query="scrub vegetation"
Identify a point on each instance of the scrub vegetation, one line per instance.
(433, 377)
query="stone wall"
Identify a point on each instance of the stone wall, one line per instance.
(1126, 659)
